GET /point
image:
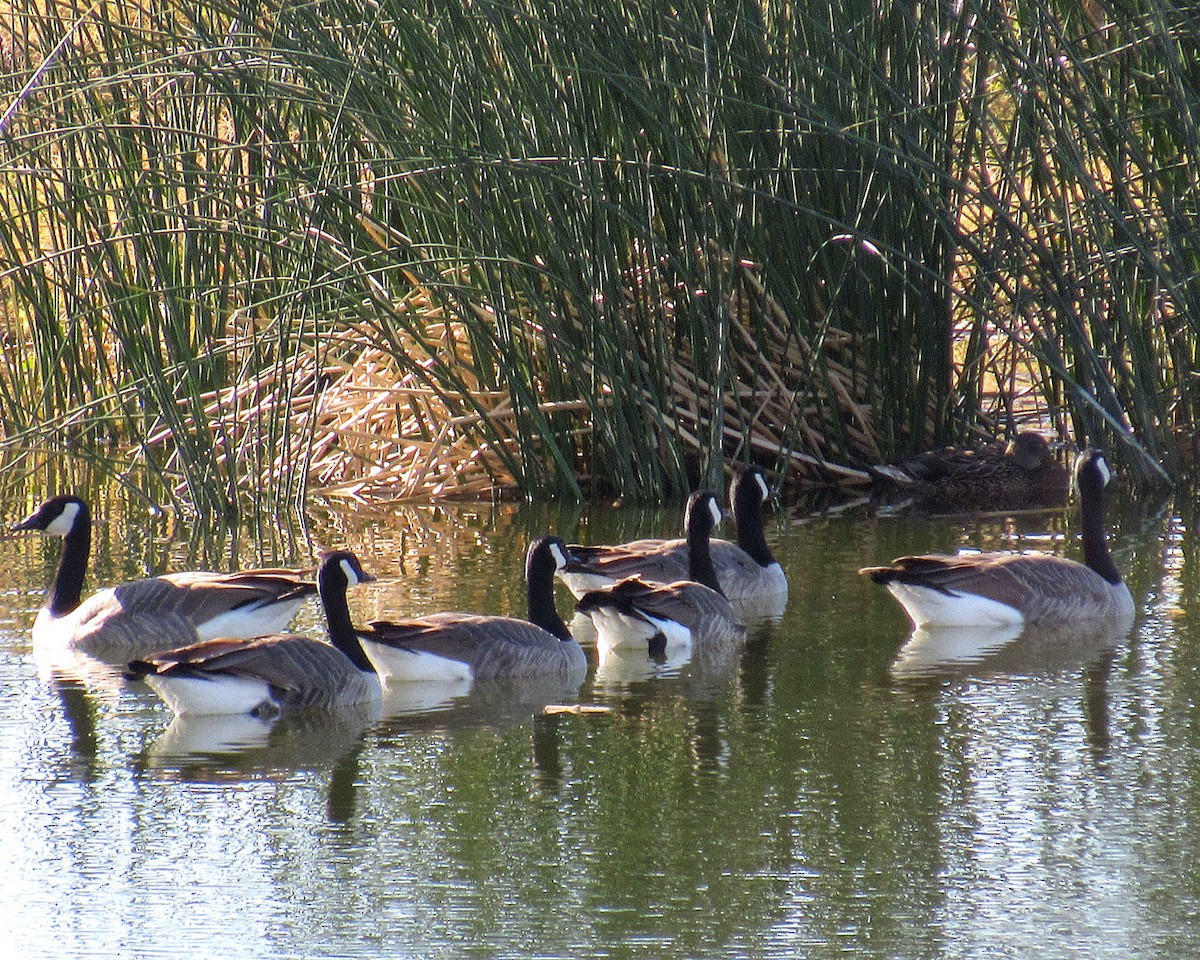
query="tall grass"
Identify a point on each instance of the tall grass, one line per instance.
(594, 245)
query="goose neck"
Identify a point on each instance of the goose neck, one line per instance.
(1095, 543)
(337, 619)
(750, 535)
(67, 589)
(542, 610)
(700, 562)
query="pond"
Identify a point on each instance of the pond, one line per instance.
(834, 792)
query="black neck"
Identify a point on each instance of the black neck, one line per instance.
(337, 618)
(540, 598)
(747, 516)
(700, 563)
(67, 589)
(1095, 546)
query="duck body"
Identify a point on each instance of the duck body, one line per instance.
(745, 570)
(272, 675)
(998, 589)
(665, 617)
(1021, 473)
(451, 647)
(119, 623)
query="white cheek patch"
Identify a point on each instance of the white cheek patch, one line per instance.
(762, 485)
(1105, 473)
(714, 508)
(352, 578)
(64, 523)
(560, 560)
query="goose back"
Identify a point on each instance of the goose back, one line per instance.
(463, 646)
(1003, 588)
(272, 674)
(745, 570)
(455, 646)
(637, 612)
(133, 619)
(661, 618)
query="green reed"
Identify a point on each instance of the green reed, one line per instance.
(897, 205)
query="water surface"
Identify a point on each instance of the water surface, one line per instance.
(827, 795)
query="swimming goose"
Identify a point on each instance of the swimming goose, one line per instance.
(120, 623)
(1004, 588)
(745, 570)
(666, 617)
(1022, 472)
(454, 647)
(270, 675)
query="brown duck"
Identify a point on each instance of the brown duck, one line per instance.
(1022, 473)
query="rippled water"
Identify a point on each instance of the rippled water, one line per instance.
(830, 794)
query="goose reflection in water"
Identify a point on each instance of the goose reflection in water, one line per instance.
(232, 745)
(238, 747)
(934, 655)
(939, 652)
(102, 680)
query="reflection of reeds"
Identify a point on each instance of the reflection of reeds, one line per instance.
(615, 246)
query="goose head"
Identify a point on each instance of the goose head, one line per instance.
(546, 555)
(57, 517)
(749, 491)
(339, 570)
(1092, 473)
(702, 514)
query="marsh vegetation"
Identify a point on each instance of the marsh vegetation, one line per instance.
(387, 250)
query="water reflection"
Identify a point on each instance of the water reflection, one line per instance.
(226, 747)
(493, 702)
(104, 681)
(827, 792)
(937, 652)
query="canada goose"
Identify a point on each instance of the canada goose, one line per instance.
(1003, 588)
(745, 570)
(664, 617)
(453, 647)
(1022, 472)
(270, 675)
(120, 623)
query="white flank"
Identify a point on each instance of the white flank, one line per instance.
(51, 631)
(617, 630)
(255, 620)
(933, 608)
(195, 696)
(773, 579)
(398, 665)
